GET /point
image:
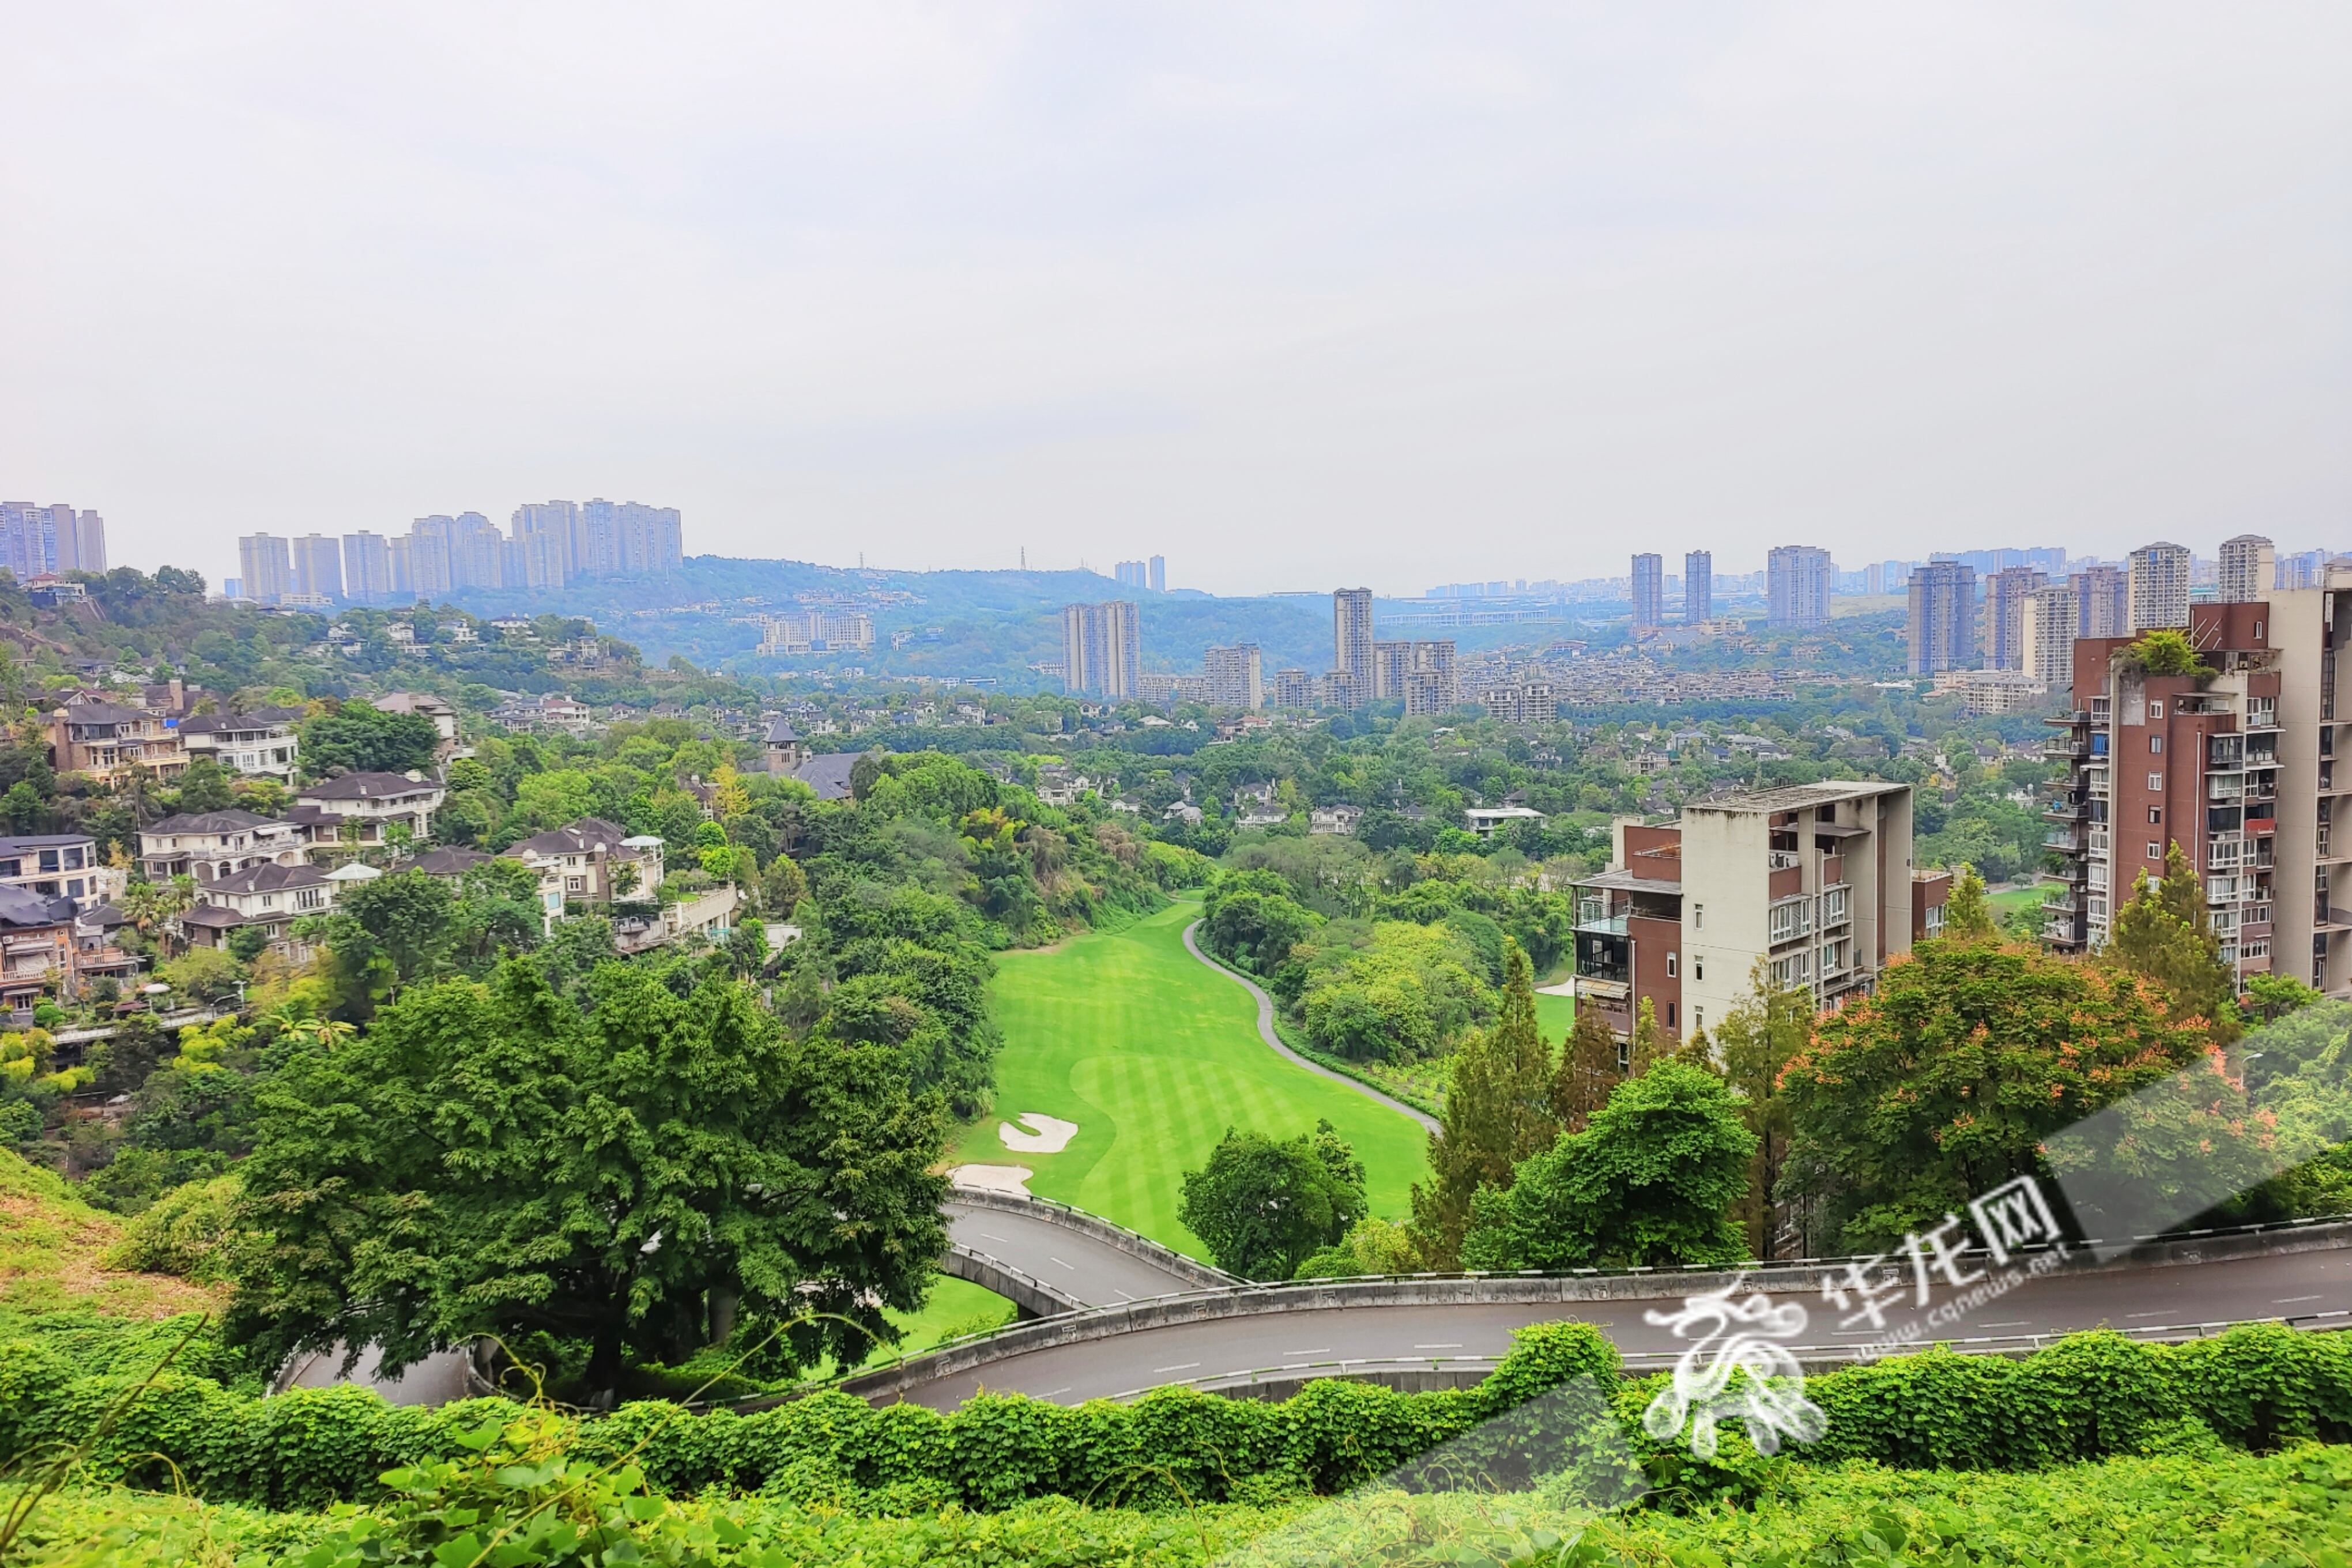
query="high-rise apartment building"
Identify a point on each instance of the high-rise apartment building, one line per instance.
(545, 529)
(1943, 618)
(1434, 684)
(1351, 644)
(1698, 587)
(39, 539)
(367, 568)
(2102, 601)
(2048, 635)
(1159, 573)
(2249, 569)
(1236, 677)
(1133, 573)
(1815, 881)
(269, 572)
(1649, 591)
(1102, 648)
(1293, 689)
(2159, 587)
(1391, 666)
(2007, 593)
(318, 566)
(1797, 579)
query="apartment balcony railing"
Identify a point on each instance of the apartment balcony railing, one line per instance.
(2066, 839)
(1615, 974)
(2064, 810)
(1783, 859)
(1603, 925)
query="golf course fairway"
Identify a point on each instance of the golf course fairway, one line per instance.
(1153, 1055)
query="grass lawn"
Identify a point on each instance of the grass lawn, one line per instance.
(1555, 1015)
(2011, 900)
(956, 1307)
(1153, 1055)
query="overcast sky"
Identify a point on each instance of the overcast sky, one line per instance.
(1291, 294)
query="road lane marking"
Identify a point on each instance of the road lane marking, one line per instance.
(2011, 1323)
(2290, 1300)
(1064, 1389)
(993, 1236)
(1072, 1267)
(1180, 1366)
(1318, 1349)
(1437, 1347)
(1116, 1289)
(2129, 1315)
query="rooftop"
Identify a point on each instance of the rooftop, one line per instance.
(365, 786)
(1797, 797)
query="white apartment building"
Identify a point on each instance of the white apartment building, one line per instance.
(2249, 569)
(2159, 587)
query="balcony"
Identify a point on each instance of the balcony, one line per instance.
(2065, 840)
(1783, 859)
(2065, 810)
(2071, 872)
(1602, 925)
(2067, 748)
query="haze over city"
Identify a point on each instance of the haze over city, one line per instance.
(1438, 295)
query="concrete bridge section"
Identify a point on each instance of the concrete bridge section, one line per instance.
(1424, 1331)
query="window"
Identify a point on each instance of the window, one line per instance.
(1624, 1056)
(1698, 917)
(1698, 1018)
(576, 884)
(2155, 815)
(2155, 745)
(1670, 966)
(2155, 851)
(2156, 709)
(2155, 784)
(73, 888)
(1670, 1015)
(1935, 920)
(1833, 906)
(1698, 966)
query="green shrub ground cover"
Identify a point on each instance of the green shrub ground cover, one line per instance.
(2091, 1397)
(2166, 1511)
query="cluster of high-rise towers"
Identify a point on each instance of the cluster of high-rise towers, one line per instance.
(552, 543)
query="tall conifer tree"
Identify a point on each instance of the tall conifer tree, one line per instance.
(1498, 1113)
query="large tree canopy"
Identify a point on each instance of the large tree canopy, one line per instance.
(1944, 1083)
(1263, 1205)
(361, 738)
(1652, 1180)
(487, 1159)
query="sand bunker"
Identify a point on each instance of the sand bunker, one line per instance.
(1046, 1134)
(993, 1178)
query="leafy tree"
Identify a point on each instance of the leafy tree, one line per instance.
(204, 786)
(1587, 1072)
(409, 916)
(1262, 1206)
(1759, 1036)
(1650, 1182)
(487, 1159)
(1966, 916)
(358, 737)
(1498, 1113)
(2164, 932)
(1652, 1044)
(246, 943)
(1944, 1083)
(1252, 920)
(1374, 1246)
(2274, 995)
(2170, 653)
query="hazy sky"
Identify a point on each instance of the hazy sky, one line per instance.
(1292, 294)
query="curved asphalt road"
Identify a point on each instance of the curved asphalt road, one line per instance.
(1265, 1032)
(2292, 1285)
(1070, 1260)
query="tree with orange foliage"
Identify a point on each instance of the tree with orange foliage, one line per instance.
(1944, 1084)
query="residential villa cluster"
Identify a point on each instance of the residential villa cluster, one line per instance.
(58, 915)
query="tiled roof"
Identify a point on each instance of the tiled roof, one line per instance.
(268, 879)
(828, 774)
(590, 833)
(230, 821)
(365, 786)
